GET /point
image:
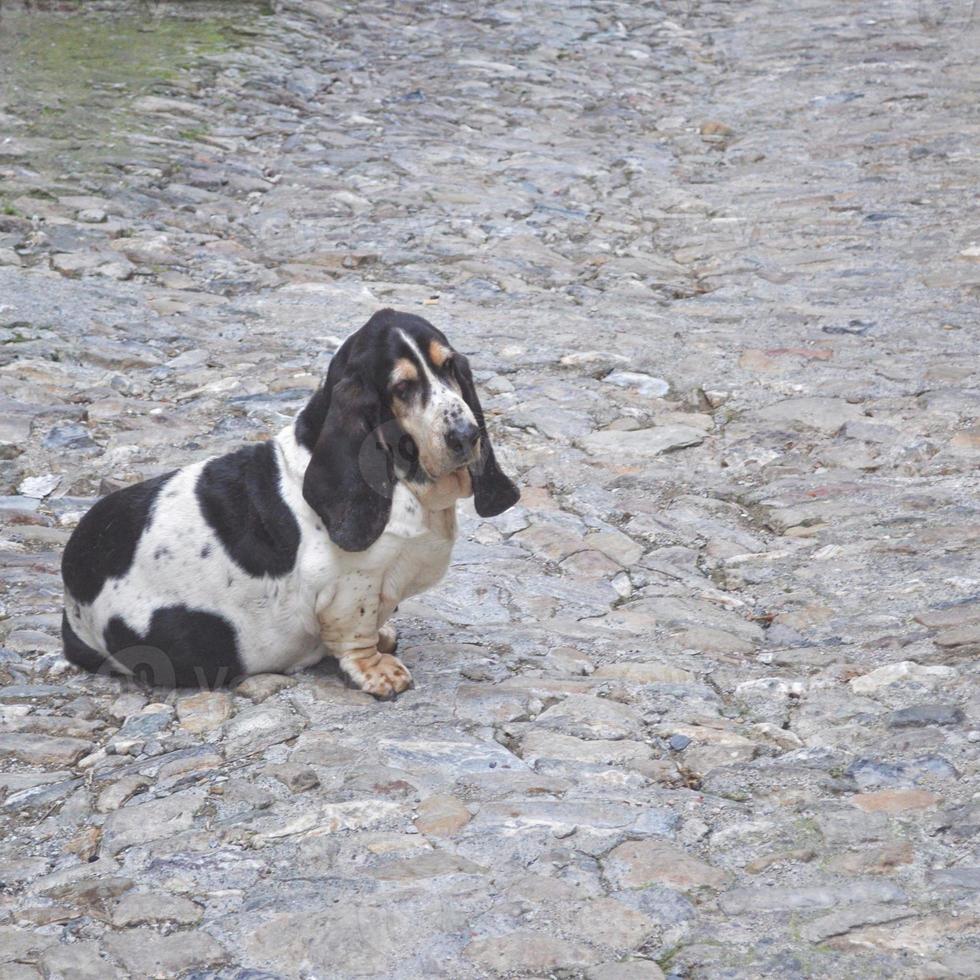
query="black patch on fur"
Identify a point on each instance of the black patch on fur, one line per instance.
(77, 651)
(240, 499)
(205, 551)
(104, 543)
(182, 648)
(349, 481)
(493, 492)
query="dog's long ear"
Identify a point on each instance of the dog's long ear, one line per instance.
(348, 481)
(493, 493)
(309, 422)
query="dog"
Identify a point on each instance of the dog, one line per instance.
(273, 556)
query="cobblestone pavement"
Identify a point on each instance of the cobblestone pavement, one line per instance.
(704, 705)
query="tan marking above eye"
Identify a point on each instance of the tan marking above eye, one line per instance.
(438, 353)
(404, 370)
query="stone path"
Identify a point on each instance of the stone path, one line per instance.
(705, 705)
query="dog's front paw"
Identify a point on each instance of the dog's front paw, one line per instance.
(381, 674)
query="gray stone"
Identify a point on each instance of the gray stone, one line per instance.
(558, 817)
(843, 921)
(70, 436)
(567, 748)
(146, 953)
(143, 725)
(431, 864)
(455, 756)
(32, 641)
(626, 970)
(19, 944)
(44, 795)
(639, 864)
(258, 687)
(906, 671)
(56, 725)
(44, 750)
(740, 901)
(588, 717)
(307, 942)
(77, 961)
(959, 636)
(921, 715)
(967, 879)
(153, 908)
(39, 486)
(826, 414)
(21, 870)
(608, 922)
(642, 384)
(528, 953)
(126, 704)
(119, 792)
(642, 442)
(645, 672)
(140, 823)
(259, 727)
(947, 617)
(296, 776)
(90, 895)
(20, 971)
(594, 362)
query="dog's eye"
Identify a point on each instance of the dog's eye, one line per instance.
(402, 390)
(446, 366)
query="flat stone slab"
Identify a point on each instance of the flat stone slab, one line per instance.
(458, 756)
(642, 442)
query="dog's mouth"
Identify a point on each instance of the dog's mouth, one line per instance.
(446, 465)
(445, 490)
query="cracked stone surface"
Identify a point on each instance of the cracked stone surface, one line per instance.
(704, 705)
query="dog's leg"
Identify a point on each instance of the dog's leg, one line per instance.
(364, 651)
(387, 638)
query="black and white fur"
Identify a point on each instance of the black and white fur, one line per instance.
(268, 558)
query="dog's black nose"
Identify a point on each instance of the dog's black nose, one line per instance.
(462, 436)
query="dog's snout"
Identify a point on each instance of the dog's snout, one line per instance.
(461, 437)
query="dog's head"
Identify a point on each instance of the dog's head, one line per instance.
(398, 404)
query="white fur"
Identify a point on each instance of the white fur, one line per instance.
(331, 596)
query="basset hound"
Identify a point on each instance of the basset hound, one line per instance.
(273, 556)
